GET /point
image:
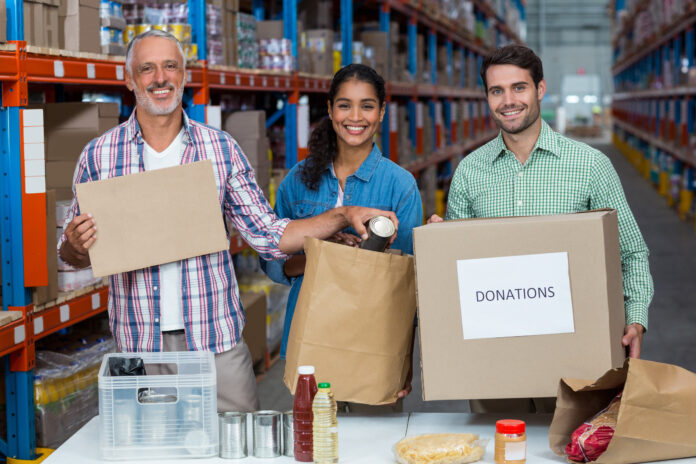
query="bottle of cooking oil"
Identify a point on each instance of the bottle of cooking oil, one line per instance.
(325, 426)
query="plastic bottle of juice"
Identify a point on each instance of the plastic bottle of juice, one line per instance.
(325, 426)
(302, 413)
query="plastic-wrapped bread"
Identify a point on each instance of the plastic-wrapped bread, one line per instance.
(440, 448)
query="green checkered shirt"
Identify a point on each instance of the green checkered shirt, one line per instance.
(561, 176)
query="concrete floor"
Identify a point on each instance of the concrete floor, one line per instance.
(671, 337)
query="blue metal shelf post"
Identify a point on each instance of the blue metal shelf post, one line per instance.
(290, 32)
(347, 32)
(412, 48)
(19, 385)
(197, 19)
(384, 19)
(432, 56)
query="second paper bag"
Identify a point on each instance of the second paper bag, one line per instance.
(354, 322)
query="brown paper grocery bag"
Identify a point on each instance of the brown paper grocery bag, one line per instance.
(354, 322)
(657, 417)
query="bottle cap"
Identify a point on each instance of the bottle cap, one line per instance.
(305, 370)
(325, 385)
(509, 426)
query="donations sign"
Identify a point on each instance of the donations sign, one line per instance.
(515, 296)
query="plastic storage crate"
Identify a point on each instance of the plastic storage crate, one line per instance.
(160, 416)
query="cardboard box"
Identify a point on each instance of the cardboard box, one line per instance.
(269, 29)
(3, 21)
(79, 26)
(41, 23)
(68, 127)
(113, 49)
(114, 22)
(320, 46)
(59, 176)
(154, 217)
(246, 124)
(254, 333)
(41, 295)
(482, 327)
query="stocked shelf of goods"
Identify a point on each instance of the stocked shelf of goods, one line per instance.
(683, 154)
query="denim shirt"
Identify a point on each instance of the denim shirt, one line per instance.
(378, 183)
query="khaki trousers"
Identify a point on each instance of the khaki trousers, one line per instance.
(236, 382)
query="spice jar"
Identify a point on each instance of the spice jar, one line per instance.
(510, 442)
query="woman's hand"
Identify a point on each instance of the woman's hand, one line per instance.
(344, 238)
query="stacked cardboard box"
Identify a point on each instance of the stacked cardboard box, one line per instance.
(405, 147)
(79, 25)
(316, 14)
(377, 41)
(41, 23)
(248, 128)
(41, 295)
(319, 43)
(3, 22)
(68, 128)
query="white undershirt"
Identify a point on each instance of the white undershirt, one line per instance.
(171, 313)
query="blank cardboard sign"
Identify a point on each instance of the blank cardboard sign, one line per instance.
(153, 217)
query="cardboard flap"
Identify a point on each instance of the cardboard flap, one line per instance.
(153, 217)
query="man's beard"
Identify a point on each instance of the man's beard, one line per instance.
(143, 99)
(524, 125)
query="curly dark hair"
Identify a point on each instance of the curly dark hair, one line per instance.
(518, 55)
(323, 144)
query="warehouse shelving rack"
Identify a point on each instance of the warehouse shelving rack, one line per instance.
(22, 186)
(654, 107)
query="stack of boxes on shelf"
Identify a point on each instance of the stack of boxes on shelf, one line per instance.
(79, 26)
(113, 23)
(248, 128)
(68, 127)
(275, 52)
(3, 22)
(41, 23)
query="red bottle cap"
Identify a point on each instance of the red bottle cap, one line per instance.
(509, 426)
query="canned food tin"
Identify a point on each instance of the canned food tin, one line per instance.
(379, 230)
(233, 435)
(288, 434)
(129, 33)
(267, 434)
(157, 417)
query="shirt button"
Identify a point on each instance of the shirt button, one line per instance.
(519, 174)
(157, 319)
(519, 202)
(154, 288)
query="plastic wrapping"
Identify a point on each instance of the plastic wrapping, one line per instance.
(440, 448)
(591, 439)
(65, 391)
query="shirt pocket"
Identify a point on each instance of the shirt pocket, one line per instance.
(305, 210)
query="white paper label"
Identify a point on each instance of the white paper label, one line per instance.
(516, 451)
(34, 184)
(419, 115)
(64, 313)
(32, 118)
(251, 80)
(19, 334)
(38, 325)
(237, 80)
(287, 82)
(275, 82)
(514, 296)
(96, 301)
(91, 72)
(119, 73)
(393, 117)
(302, 126)
(222, 79)
(58, 70)
(264, 82)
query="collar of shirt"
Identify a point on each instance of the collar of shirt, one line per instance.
(133, 129)
(546, 141)
(367, 168)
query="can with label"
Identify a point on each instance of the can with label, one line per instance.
(380, 230)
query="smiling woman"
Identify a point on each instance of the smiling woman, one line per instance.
(345, 167)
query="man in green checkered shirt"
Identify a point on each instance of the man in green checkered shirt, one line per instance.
(531, 170)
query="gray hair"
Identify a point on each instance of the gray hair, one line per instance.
(145, 35)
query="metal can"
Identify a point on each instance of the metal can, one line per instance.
(380, 230)
(158, 418)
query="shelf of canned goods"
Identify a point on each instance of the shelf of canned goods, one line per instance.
(437, 114)
(654, 105)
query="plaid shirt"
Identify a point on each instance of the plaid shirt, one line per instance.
(561, 176)
(212, 312)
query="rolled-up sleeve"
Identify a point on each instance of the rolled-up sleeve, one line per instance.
(249, 211)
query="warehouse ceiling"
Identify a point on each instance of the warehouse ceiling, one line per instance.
(567, 22)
